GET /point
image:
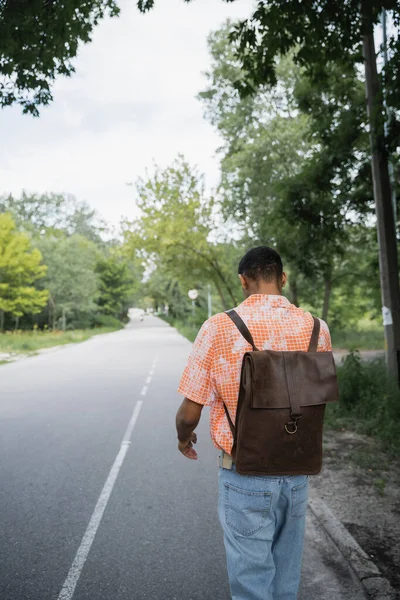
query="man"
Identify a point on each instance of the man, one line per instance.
(263, 518)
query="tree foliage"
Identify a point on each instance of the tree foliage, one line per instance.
(166, 291)
(116, 284)
(176, 229)
(294, 162)
(20, 267)
(81, 262)
(38, 41)
(319, 33)
(42, 213)
(70, 278)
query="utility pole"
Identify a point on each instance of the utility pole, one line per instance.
(388, 260)
(387, 114)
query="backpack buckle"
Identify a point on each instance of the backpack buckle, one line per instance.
(291, 426)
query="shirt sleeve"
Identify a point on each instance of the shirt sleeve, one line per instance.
(197, 382)
(324, 340)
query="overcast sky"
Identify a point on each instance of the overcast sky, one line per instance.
(132, 101)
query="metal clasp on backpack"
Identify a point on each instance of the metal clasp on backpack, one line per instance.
(293, 424)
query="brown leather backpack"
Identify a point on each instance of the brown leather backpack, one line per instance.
(281, 406)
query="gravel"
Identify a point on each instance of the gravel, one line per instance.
(361, 485)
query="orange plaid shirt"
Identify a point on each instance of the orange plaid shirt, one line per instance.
(212, 374)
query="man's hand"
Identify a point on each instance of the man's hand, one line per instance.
(186, 447)
(187, 419)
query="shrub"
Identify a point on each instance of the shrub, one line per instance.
(369, 400)
(188, 327)
(106, 321)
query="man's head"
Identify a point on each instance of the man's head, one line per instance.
(261, 272)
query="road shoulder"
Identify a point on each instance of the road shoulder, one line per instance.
(356, 500)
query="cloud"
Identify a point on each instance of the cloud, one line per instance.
(131, 102)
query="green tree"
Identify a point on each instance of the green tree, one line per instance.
(40, 213)
(177, 230)
(322, 34)
(20, 267)
(165, 290)
(38, 41)
(70, 278)
(116, 284)
(293, 161)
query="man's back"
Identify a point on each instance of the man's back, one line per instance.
(274, 323)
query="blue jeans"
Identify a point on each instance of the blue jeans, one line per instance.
(263, 519)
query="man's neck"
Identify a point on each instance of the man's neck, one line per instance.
(265, 291)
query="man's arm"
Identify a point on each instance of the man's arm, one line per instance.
(324, 341)
(187, 419)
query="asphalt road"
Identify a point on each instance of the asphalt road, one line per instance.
(95, 501)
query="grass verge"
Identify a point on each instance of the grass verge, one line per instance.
(188, 329)
(358, 340)
(27, 342)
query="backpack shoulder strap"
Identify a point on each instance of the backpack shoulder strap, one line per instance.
(241, 325)
(230, 422)
(314, 336)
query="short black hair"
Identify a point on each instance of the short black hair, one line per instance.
(262, 262)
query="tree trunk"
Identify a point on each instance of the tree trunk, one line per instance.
(1, 320)
(221, 295)
(388, 259)
(294, 291)
(16, 323)
(52, 312)
(222, 278)
(327, 298)
(231, 294)
(215, 266)
(64, 319)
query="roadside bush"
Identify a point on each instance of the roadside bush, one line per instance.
(106, 321)
(189, 326)
(369, 401)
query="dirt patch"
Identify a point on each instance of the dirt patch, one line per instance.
(361, 485)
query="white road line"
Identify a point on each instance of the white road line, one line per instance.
(132, 423)
(69, 586)
(153, 367)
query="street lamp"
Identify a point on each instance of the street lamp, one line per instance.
(193, 295)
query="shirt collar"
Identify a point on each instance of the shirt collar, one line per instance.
(270, 300)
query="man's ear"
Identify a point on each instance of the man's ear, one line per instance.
(243, 282)
(284, 279)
